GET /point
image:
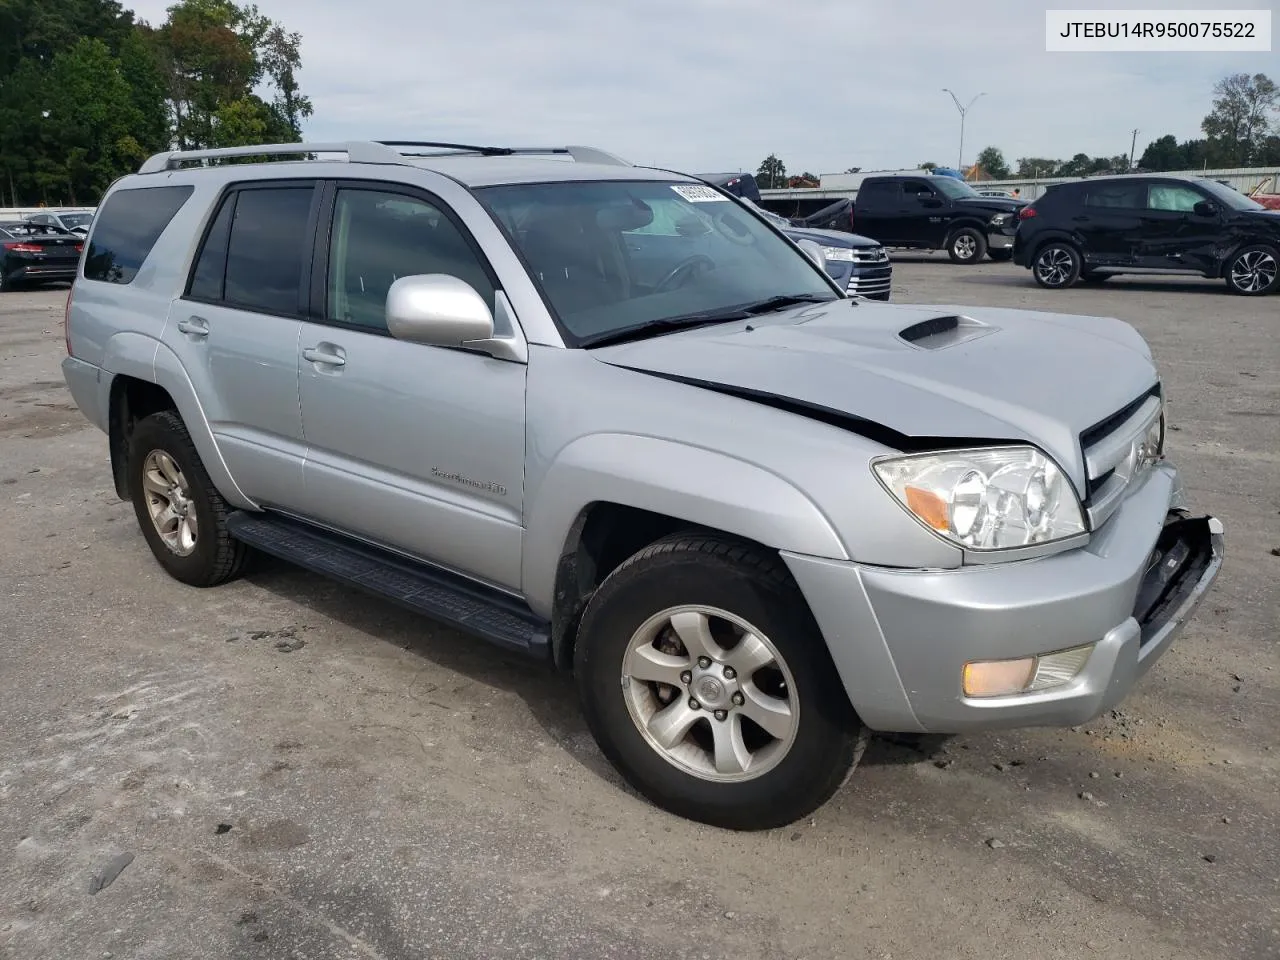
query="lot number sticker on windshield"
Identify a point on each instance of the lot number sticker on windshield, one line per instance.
(698, 194)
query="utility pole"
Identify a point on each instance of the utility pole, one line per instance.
(963, 110)
(1133, 145)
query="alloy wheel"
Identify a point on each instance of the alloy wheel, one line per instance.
(710, 693)
(1253, 271)
(1054, 267)
(169, 503)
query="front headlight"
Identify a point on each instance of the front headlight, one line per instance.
(994, 498)
(999, 220)
(839, 254)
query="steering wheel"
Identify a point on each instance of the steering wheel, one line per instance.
(683, 271)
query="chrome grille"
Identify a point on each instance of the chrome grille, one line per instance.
(870, 255)
(1116, 455)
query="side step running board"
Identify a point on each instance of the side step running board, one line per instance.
(472, 607)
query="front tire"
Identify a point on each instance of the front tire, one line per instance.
(181, 513)
(967, 245)
(707, 684)
(1057, 266)
(1254, 271)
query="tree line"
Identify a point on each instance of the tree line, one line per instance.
(1242, 129)
(87, 90)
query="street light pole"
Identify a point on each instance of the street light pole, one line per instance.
(963, 110)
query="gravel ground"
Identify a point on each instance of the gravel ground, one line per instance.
(299, 771)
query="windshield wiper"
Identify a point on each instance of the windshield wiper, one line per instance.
(665, 325)
(689, 321)
(787, 300)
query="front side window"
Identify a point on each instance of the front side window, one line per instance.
(953, 188)
(269, 244)
(1172, 198)
(612, 256)
(379, 237)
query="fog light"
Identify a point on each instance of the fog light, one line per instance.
(1003, 678)
(1055, 668)
(998, 678)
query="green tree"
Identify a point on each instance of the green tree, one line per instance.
(992, 162)
(1163, 153)
(772, 173)
(1241, 118)
(1030, 168)
(928, 165)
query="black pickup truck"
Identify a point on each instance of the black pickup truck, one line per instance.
(936, 213)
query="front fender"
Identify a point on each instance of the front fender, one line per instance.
(684, 482)
(139, 356)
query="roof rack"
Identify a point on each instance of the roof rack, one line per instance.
(373, 151)
(578, 154)
(357, 151)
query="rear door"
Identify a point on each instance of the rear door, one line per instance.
(1110, 221)
(878, 209)
(1173, 235)
(236, 327)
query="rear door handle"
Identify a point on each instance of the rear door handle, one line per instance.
(196, 327)
(325, 354)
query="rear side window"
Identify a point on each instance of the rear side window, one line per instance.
(211, 266)
(879, 194)
(1117, 196)
(127, 228)
(268, 245)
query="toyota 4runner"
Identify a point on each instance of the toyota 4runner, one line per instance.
(608, 417)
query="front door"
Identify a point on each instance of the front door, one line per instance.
(414, 447)
(925, 216)
(235, 330)
(1173, 235)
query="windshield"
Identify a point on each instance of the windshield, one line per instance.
(76, 219)
(1228, 197)
(780, 222)
(615, 255)
(952, 187)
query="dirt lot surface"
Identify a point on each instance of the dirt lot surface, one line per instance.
(299, 771)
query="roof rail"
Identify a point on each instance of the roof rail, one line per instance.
(357, 151)
(578, 154)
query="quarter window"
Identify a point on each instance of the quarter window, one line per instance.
(379, 237)
(127, 229)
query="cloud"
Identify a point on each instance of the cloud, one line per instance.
(719, 84)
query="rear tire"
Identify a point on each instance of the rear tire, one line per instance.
(1254, 271)
(1056, 265)
(967, 245)
(182, 515)
(724, 623)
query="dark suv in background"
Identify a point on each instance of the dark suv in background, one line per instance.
(1092, 229)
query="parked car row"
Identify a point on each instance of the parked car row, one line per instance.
(33, 253)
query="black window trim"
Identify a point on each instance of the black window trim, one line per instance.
(231, 194)
(1171, 182)
(318, 301)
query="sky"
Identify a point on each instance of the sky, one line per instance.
(718, 85)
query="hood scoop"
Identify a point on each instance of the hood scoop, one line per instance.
(936, 333)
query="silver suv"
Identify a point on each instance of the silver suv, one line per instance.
(610, 417)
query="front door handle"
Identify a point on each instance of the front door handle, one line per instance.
(196, 327)
(325, 354)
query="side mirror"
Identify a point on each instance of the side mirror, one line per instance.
(439, 310)
(813, 251)
(1204, 208)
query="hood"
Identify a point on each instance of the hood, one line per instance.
(829, 238)
(910, 376)
(992, 204)
(1269, 217)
